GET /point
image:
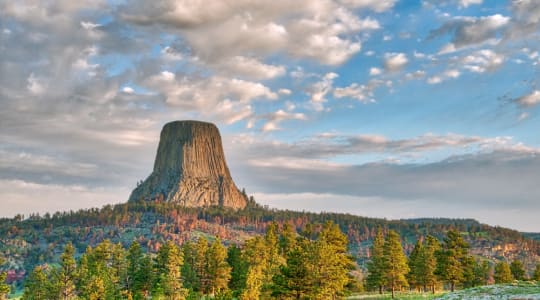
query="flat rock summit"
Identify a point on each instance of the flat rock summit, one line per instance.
(190, 168)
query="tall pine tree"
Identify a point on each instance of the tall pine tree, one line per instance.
(376, 266)
(395, 262)
(451, 259)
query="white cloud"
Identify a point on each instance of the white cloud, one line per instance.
(35, 85)
(364, 93)
(375, 71)
(467, 3)
(273, 119)
(375, 5)
(128, 90)
(320, 89)
(529, 100)
(482, 60)
(434, 80)
(251, 68)
(395, 61)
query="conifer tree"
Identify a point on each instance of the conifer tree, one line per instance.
(189, 272)
(395, 262)
(294, 279)
(376, 266)
(481, 273)
(201, 247)
(218, 270)
(168, 266)
(451, 259)
(255, 254)
(331, 262)
(503, 274)
(287, 239)
(134, 264)
(536, 274)
(4, 288)
(415, 265)
(37, 285)
(429, 259)
(239, 269)
(518, 271)
(65, 277)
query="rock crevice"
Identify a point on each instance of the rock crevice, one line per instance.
(190, 168)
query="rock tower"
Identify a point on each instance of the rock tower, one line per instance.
(190, 168)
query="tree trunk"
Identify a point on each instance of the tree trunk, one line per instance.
(452, 286)
(433, 288)
(380, 289)
(393, 291)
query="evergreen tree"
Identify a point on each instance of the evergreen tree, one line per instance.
(189, 272)
(287, 239)
(415, 264)
(65, 277)
(518, 271)
(239, 269)
(294, 279)
(331, 262)
(4, 288)
(481, 273)
(536, 274)
(275, 260)
(219, 271)
(503, 274)
(376, 266)
(200, 264)
(134, 264)
(168, 266)
(37, 285)
(395, 262)
(429, 263)
(451, 259)
(255, 254)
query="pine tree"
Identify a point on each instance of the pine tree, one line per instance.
(200, 264)
(275, 260)
(395, 262)
(255, 254)
(481, 273)
(64, 278)
(239, 269)
(429, 263)
(4, 288)
(37, 285)
(218, 269)
(134, 262)
(287, 239)
(168, 265)
(518, 271)
(376, 278)
(331, 262)
(415, 264)
(189, 272)
(294, 279)
(503, 274)
(450, 259)
(536, 274)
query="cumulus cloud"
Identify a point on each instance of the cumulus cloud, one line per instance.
(273, 119)
(320, 89)
(252, 68)
(467, 3)
(321, 30)
(395, 61)
(482, 60)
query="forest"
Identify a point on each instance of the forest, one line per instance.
(35, 246)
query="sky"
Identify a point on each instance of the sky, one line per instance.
(381, 108)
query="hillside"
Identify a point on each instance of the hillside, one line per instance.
(27, 242)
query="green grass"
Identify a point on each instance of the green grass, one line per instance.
(399, 295)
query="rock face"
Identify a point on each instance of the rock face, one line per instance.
(190, 168)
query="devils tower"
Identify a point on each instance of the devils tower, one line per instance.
(190, 168)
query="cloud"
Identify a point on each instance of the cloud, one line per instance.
(364, 93)
(251, 68)
(321, 30)
(320, 89)
(470, 31)
(395, 61)
(529, 100)
(273, 119)
(375, 5)
(375, 71)
(467, 3)
(482, 60)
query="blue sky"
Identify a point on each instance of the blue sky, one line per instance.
(382, 108)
